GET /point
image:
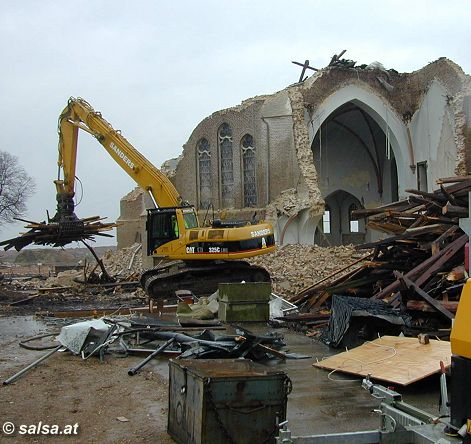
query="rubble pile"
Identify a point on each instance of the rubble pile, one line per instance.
(418, 269)
(82, 288)
(63, 279)
(124, 262)
(295, 267)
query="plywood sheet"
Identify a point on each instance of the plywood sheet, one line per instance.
(393, 359)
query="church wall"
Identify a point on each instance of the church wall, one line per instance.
(425, 114)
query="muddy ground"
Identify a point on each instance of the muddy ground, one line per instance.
(68, 390)
(109, 406)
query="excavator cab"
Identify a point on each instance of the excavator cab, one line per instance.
(163, 225)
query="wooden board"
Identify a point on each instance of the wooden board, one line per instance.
(393, 359)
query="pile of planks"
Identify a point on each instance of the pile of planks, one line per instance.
(418, 266)
(59, 234)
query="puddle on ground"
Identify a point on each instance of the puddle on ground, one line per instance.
(12, 327)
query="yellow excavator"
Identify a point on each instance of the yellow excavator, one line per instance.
(200, 257)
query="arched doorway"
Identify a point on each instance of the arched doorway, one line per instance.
(337, 227)
(356, 163)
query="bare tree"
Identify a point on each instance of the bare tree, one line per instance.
(16, 186)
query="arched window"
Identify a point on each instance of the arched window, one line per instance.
(326, 221)
(354, 225)
(227, 167)
(204, 172)
(248, 166)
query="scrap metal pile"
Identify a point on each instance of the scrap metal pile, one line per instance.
(418, 270)
(59, 233)
(139, 336)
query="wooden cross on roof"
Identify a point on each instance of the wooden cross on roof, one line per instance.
(305, 66)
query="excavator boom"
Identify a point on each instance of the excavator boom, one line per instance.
(78, 114)
(173, 231)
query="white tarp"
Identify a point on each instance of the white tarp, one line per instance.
(74, 337)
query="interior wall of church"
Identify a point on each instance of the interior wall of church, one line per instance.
(432, 135)
(433, 104)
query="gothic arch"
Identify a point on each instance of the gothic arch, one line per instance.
(383, 115)
(203, 165)
(249, 178)
(226, 159)
(339, 204)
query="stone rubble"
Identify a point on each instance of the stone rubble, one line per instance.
(294, 267)
(124, 262)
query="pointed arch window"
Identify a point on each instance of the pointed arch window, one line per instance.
(227, 165)
(354, 224)
(204, 172)
(248, 167)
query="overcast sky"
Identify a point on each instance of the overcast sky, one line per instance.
(155, 69)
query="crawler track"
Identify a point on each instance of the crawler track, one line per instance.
(162, 282)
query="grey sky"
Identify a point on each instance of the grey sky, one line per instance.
(156, 69)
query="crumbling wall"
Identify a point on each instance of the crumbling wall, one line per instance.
(462, 107)
(404, 93)
(170, 165)
(132, 219)
(131, 228)
(281, 165)
(308, 184)
(287, 180)
(301, 200)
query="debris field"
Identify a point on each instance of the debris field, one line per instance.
(409, 282)
(417, 268)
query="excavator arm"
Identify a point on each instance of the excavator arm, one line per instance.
(79, 115)
(173, 231)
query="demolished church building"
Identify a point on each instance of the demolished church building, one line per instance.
(345, 138)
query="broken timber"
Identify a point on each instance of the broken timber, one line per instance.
(58, 234)
(435, 304)
(422, 254)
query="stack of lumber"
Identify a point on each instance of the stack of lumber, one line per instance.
(59, 234)
(418, 265)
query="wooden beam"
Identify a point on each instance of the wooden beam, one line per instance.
(306, 290)
(453, 179)
(426, 268)
(434, 303)
(433, 196)
(438, 243)
(455, 210)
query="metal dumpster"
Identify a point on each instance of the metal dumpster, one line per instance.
(244, 301)
(214, 401)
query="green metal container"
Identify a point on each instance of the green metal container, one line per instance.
(244, 302)
(214, 401)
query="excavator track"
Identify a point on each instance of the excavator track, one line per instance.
(162, 282)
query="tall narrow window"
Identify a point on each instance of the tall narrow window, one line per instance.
(248, 166)
(354, 225)
(422, 184)
(204, 171)
(326, 222)
(227, 167)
